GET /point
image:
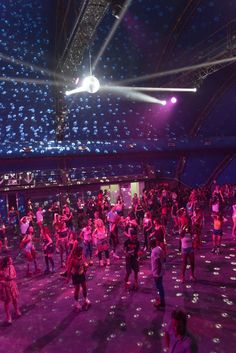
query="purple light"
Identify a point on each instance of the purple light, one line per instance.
(173, 100)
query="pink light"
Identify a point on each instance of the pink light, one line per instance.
(173, 100)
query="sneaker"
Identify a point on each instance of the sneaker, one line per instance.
(63, 274)
(78, 306)
(127, 285)
(157, 302)
(18, 313)
(160, 305)
(87, 301)
(37, 270)
(9, 321)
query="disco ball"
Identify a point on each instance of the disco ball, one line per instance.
(91, 84)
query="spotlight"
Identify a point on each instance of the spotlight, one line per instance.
(163, 102)
(91, 84)
(173, 100)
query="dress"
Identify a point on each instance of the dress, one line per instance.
(8, 287)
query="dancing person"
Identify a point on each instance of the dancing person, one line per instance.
(62, 241)
(48, 250)
(39, 219)
(187, 252)
(77, 270)
(3, 235)
(113, 219)
(218, 220)
(177, 339)
(157, 264)
(131, 248)
(101, 238)
(197, 223)
(8, 288)
(234, 219)
(87, 237)
(130, 225)
(147, 228)
(29, 250)
(158, 234)
(68, 217)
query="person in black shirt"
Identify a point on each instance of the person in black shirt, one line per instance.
(131, 247)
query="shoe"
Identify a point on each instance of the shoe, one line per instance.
(9, 321)
(108, 262)
(135, 285)
(18, 313)
(63, 274)
(101, 263)
(213, 250)
(90, 262)
(218, 251)
(182, 279)
(127, 285)
(116, 256)
(160, 305)
(157, 302)
(78, 306)
(87, 301)
(192, 278)
(37, 270)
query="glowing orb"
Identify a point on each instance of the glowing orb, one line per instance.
(173, 100)
(91, 84)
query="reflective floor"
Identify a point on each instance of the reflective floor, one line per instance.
(126, 321)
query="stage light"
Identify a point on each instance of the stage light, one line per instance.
(163, 102)
(91, 84)
(173, 100)
(116, 7)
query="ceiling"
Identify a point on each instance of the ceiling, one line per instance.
(42, 54)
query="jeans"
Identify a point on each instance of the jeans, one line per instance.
(88, 248)
(160, 288)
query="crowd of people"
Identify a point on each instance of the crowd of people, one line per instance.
(97, 229)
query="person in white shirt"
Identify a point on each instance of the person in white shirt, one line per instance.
(39, 218)
(24, 225)
(157, 264)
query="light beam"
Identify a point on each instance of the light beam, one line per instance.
(111, 34)
(177, 71)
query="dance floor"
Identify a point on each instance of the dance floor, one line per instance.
(120, 321)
